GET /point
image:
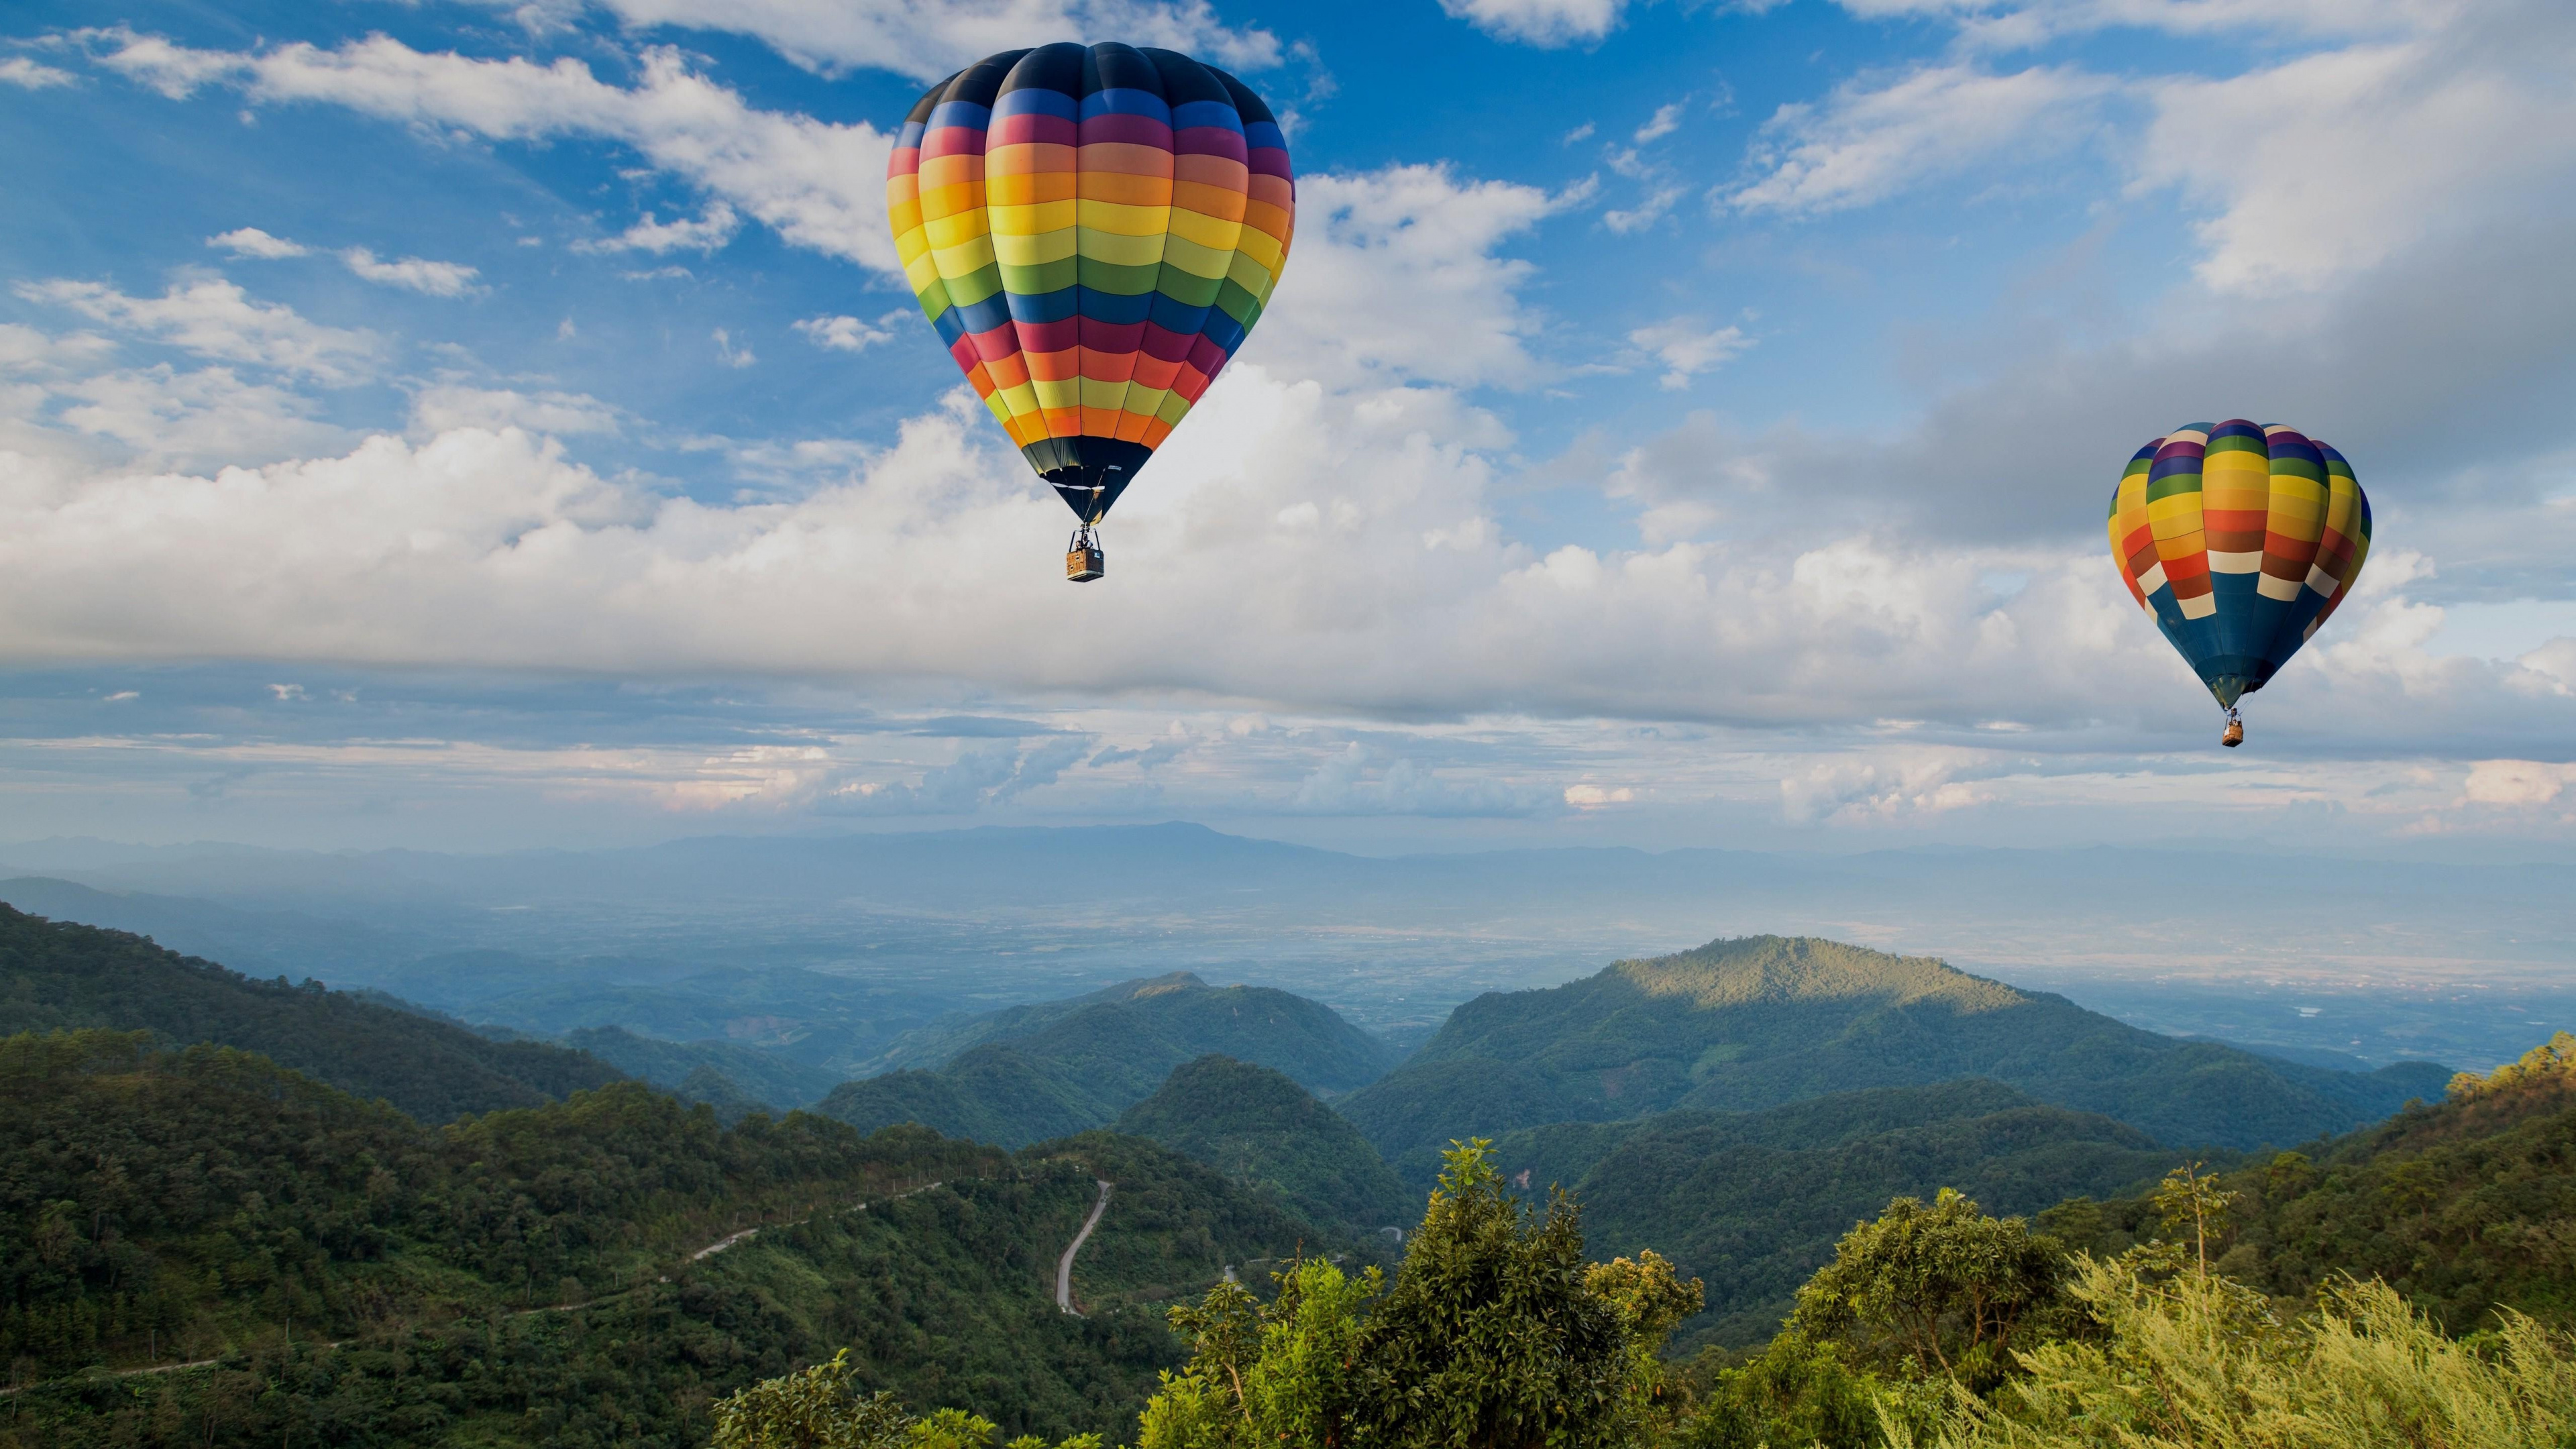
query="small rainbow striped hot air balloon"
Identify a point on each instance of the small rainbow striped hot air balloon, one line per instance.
(1093, 230)
(2242, 540)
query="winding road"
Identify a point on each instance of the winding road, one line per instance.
(1064, 1265)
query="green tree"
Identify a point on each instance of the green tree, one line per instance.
(1267, 1375)
(2198, 1360)
(1490, 1338)
(1651, 1301)
(1937, 1291)
(1795, 1392)
(2190, 1200)
(818, 1408)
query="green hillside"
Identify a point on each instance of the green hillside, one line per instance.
(1258, 1127)
(1305, 1039)
(1752, 1202)
(2464, 1205)
(1035, 1072)
(59, 976)
(778, 1082)
(542, 1276)
(1751, 1023)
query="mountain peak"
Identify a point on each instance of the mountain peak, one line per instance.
(1748, 969)
(1162, 985)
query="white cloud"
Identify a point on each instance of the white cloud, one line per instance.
(2517, 782)
(1539, 22)
(451, 406)
(213, 318)
(250, 241)
(821, 186)
(849, 334)
(1394, 275)
(1688, 346)
(979, 777)
(730, 355)
(25, 349)
(1646, 213)
(26, 74)
(707, 233)
(1666, 120)
(412, 274)
(2333, 162)
(1357, 781)
(1874, 137)
(926, 40)
(207, 417)
(1885, 785)
(1595, 797)
(2014, 24)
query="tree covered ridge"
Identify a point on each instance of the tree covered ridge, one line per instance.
(1035, 1072)
(2465, 1206)
(62, 976)
(1257, 1126)
(1753, 1023)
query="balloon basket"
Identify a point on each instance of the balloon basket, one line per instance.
(1083, 560)
(2234, 734)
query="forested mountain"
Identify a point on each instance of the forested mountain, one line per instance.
(56, 976)
(2463, 1205)
(551, 1275)
(1042, 1071)
(1258, 1127)
(775, 1081)
(1305, 1039)
(1751, 1202)
(1752, 1023)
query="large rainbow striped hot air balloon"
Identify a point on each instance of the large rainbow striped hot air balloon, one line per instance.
(2242, 540)
(1093, 230)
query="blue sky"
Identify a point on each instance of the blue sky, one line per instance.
(480, 425)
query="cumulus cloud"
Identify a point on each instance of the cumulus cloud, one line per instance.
(849, 334)
(2330, 163)
(250, 241)
(1687, 346)
(204, 417)
(929, 40)
(978, 778)
(1547, 23)
(705, 234)
(1357, 781)
(450, 406)
(1875, 136)
(730, 355)
(26, 74)
(1646, 213)
(1395, 274)
(412, 274)
(2017, 24)
(818, 184)
(1885, 785)
(1666, 120)
(211, 317)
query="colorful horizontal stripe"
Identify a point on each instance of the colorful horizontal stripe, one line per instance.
(1093, 231)
(2241, 539)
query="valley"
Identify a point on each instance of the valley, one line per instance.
(232, 1182)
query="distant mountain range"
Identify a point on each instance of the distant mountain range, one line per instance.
(1029, 1073)
(1756, 1022)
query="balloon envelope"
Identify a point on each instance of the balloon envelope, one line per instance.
(2242, 540)
(1093, 230)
